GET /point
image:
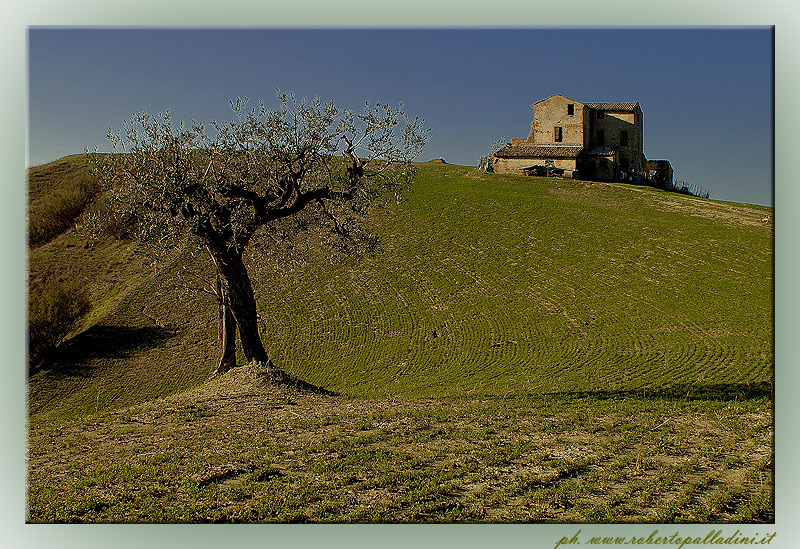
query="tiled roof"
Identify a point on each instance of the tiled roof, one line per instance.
(623, 107)
(530, 151)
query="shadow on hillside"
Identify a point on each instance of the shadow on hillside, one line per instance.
(686, 392)
(75, 357)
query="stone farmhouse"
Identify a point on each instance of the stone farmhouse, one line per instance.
(590, 141)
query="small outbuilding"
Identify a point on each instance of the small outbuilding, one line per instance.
(660, 173)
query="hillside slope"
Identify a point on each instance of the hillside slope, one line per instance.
(485, 285)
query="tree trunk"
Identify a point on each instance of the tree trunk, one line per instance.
(236, 287)
(227, 330)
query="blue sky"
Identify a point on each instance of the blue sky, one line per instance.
(706, 93)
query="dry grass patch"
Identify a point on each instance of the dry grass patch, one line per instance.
(238, 449)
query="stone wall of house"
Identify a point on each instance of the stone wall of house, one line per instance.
(613, 124)
(600, 168)
(554, 112)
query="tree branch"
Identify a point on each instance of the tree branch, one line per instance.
(303, 199)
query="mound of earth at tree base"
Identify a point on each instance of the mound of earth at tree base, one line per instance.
(267, 374)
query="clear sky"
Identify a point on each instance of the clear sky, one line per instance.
(706, 93)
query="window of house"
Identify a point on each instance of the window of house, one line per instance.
(624, 164)
(600, 115)
(571, 109)
(557, 133)
(623, 138)
(601, 138)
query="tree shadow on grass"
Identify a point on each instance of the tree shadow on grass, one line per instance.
(269, 373)
(75, 357)
(686, 392)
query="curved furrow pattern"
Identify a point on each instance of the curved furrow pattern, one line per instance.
(513, 286)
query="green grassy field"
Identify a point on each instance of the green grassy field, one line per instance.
(490, 285)
(520, 349)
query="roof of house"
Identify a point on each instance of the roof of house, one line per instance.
(556, 95)
(619, 107)
(530, 151)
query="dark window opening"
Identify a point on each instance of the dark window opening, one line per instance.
(558, 134)
(624, 164)
(601, 138)
(623, 138)
(570, 109)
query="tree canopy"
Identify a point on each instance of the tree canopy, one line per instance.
(267, 174)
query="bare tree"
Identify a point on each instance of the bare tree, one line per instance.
(267, 175)
(485, 162)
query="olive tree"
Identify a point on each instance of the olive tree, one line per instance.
(266, 175)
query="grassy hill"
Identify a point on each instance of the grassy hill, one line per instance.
(496, 296)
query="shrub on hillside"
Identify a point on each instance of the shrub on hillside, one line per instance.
(54, 308)
(99, 220)
(55, 212)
